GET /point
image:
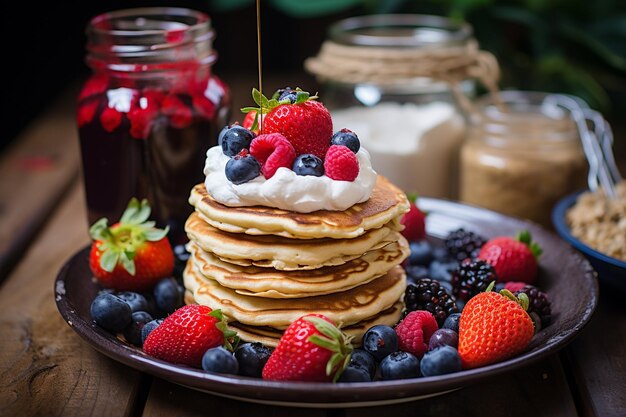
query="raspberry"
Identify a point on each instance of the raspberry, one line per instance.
(414, 332)
(272, 151)
(514, 286)
(110, 119)
(341, 163)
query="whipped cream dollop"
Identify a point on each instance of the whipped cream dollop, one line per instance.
(286, 190)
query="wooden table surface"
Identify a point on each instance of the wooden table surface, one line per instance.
(46, 369)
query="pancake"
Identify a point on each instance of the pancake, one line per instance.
(271, 283)
(347, 307)
(386, 204)
(270, 336)
(284, 254)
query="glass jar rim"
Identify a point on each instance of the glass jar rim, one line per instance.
(524, 116)
(405, 31)
(149, 36)
(98, 24)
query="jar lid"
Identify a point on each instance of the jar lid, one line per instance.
(400, 30)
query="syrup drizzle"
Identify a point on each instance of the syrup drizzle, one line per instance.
(258, 48)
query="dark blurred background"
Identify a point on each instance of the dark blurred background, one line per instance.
(570, 46)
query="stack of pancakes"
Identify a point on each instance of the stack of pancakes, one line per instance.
(266, 267)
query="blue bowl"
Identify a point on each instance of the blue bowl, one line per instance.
(611, 271)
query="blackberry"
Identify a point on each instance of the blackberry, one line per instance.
(538, 303)
(427, 294)
(471, 278)
(462, 244)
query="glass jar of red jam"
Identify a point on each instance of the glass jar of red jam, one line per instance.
(149, 112)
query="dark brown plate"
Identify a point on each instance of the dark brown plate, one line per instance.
(565, 275)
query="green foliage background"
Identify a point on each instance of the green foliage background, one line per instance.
(569, 46)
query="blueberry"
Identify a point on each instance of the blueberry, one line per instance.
(443, 360)
(440, 253)
(287, 93)
(442, 271)
(416, 272)
(355, 373)
(421, 253)
(252, 358)
(220, 361)
(181, 255)
(133, 332)
(167, 295)
(364, 359)
(346, 138)
(110, 312)
(148, 328)
(443, 337)
(136, 301)
(452, 322)
(380, 341)
(234, 138)
(308, 164)
(242, 168)
(400, 365)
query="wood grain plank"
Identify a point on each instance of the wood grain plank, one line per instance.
(45, 368)
(34, 175)
(169, 400)
(597, 359)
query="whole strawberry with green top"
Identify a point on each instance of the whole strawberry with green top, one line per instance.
(494, 327)
(514, 259)
(132, 255)
(305, 122)
(312, 349)
(186, 334)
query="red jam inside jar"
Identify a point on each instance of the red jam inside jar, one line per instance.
(149, 112)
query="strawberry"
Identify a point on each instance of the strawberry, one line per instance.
(131, 255)
(312, 349)
(493, 327)
(250, 121)
(305, 123)
(186, 334)
(513, 259)
(414, 222)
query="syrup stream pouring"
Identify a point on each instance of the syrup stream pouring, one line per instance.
(597, 141)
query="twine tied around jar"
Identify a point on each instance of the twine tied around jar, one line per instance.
(387, 65)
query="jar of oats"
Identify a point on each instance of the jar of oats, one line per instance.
(521, 156)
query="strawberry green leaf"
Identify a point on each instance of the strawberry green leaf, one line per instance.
(523, 300)
(131, 211)
(100, 230)
(490, 286)
(255, 123)
(301, 96)
(109, 260)
(526, 238)
(154, 235)
(256, 96)
(249, 109)
(126, 259)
